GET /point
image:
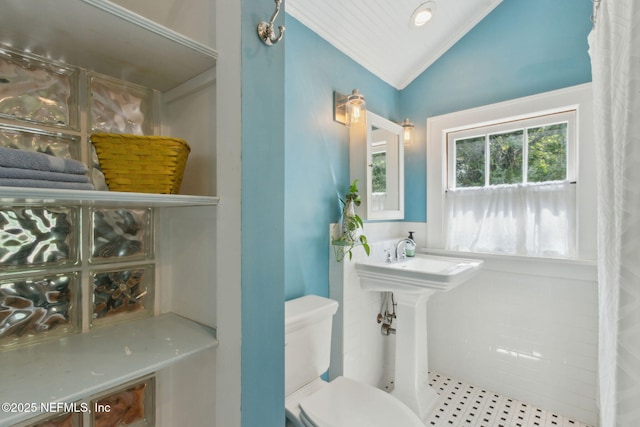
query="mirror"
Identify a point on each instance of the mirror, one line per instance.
(377, 162)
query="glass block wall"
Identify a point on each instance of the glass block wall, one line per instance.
(131, 404)
(67, 269)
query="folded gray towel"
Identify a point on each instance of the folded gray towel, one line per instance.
(40, 183)
(14, 158)
(16, 173)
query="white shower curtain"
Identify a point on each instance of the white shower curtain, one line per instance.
(615, 59)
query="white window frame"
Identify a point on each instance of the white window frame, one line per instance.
(578, 98)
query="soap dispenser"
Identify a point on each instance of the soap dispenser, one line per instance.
(410, 248)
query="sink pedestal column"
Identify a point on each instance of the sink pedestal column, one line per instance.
(411, 384)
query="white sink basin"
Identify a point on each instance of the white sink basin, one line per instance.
(416, 274)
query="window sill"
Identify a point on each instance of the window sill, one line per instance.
(575, 269)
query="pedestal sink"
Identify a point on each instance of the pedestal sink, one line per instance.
(412, 282)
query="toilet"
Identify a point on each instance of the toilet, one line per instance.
(312, 402)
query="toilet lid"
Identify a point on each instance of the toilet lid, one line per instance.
(345, 402)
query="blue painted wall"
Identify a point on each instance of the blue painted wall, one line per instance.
(263, 256)
(521, 48)
(317, 150)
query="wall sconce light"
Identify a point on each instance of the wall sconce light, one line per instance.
(348, 109)
(407, 132)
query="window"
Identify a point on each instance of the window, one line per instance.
(533, 150)
(509, 189)
(503, 178)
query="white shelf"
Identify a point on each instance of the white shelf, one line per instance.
(23, 195)
(101, 36)
(80, 365)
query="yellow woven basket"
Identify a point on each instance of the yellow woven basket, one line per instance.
(141, 164)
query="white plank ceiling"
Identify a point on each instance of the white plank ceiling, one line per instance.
(377, 34)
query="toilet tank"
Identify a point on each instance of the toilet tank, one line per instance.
(307, 335)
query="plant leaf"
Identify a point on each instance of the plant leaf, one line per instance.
(367, 249)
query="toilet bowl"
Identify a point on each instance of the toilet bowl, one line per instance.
(312, 402)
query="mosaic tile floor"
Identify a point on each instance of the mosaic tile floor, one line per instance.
(463, 404)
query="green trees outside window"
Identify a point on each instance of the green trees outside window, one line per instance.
(537, 153)
(379, 172)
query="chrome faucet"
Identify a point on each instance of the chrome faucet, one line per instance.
(403, 255)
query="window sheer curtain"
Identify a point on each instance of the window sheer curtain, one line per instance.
(520, 219)
(615, 61)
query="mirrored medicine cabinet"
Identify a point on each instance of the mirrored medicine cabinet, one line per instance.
(377, 162)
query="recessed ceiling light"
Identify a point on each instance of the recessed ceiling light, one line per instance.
(422, 14)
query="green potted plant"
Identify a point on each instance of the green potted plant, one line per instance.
(352, 226)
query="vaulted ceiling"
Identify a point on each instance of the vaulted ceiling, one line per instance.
(377, 33)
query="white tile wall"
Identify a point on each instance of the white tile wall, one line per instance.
(527, 334)
(526, 329)
(359, 350)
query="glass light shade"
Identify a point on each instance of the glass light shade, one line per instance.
(355, 107)
(407, 132)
